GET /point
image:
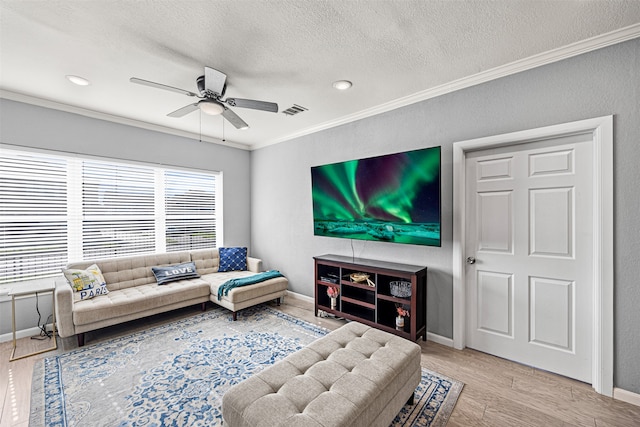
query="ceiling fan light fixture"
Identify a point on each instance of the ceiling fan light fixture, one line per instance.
(211, 108)
(80, 81)
(342, 84)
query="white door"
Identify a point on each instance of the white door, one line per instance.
(529, 230)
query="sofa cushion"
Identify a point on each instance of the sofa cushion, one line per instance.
(136, 299)
(86, 283)
(233, 259)
(171, 273)
(206, 260)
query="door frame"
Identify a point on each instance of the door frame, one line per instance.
(602, 185)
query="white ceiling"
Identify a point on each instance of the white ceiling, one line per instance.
(284, 51)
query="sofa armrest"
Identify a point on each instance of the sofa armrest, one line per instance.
(254, 264)
(64, 308)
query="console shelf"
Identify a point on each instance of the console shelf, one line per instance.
(373, 303)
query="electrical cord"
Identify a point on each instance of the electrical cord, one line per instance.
(353, 253)
(43, 328)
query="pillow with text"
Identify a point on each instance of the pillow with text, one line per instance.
(172, 273)
(86, 283)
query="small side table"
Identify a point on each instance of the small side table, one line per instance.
(32, 289)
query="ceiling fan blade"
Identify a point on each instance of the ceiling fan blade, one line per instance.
(180, 112)
(252, 103)
(214, 80)
(161, 86)
(234, 119)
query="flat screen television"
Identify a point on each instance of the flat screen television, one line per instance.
(390, 198)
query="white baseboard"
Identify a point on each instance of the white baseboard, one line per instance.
(296, 295)
(626, 396)
(23, 333)
(439, 339)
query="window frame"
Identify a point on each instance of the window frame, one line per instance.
(75, 216)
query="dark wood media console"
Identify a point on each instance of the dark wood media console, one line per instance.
(372, 302)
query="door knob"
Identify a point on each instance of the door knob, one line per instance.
(471, 260)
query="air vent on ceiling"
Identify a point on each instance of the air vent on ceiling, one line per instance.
(294, 109)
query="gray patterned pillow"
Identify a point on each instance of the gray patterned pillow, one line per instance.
(171, 273)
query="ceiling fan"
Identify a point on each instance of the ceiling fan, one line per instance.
(212, 86)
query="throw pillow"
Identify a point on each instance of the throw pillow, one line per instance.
(232, 259)
(171, 273)
(87, 283)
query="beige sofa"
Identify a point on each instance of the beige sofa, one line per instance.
(134, 292)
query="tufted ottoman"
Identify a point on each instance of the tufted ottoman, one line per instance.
(354, 376)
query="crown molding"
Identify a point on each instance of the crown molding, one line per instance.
(539, 60)
(47, 103)
(549, 57)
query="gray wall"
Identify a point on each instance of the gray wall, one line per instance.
(36, 127)
(596, 84)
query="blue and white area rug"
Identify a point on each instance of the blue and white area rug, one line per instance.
(176, 374)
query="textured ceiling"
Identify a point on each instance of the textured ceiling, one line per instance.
(287, 52)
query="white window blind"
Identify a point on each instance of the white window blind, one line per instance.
(190, 205)
(56, 209)
(33, 215)
(118, 210)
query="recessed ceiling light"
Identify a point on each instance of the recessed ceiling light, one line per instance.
(342, 84)
(80, 81)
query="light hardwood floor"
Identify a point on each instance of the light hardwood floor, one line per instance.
(496, 392)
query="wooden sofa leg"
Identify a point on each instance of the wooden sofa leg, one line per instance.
(204, 306)
(278, 301)
(235, 316)
(80, 339)
(410, 401)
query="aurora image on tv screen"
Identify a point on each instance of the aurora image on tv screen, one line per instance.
(390, 198)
